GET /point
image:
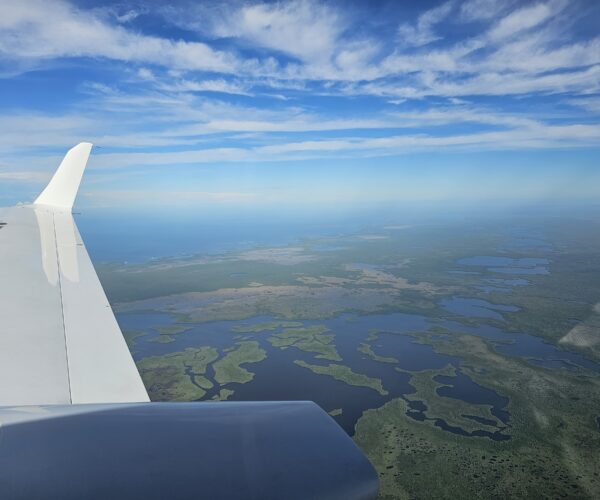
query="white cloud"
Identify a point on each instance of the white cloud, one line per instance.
(32, 130)
(478, 10)
(23, 176)
(491, 83)
(530, 135)
(546, 137)
(40, 30)
(165, 100)
(127, 16)
(209, 85)
(324, 41)
(304, 29)
(103, 197)
(520, 83)
(422, 33)
(320, 38)
(524, 19)
(535, 54)
(209, 131)
(527, 51)
(591, 104)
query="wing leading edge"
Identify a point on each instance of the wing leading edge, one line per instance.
(60, 342)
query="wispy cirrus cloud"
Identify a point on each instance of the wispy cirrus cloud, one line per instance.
(305, 40)
(481, 10)
(306, 30)
(37, 30)
(525, 18)
(423, 31)
(301, 80)
(110, 197)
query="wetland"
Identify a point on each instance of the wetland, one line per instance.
(475, 347)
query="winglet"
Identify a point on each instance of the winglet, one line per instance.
(62, 188)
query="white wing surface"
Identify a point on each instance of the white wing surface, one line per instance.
(59, 340)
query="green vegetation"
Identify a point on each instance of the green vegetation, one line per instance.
(439, 330)
(166, 333)
(367, 349)
(164, 339)
(558, 307)
(345, 374)
(228, 369)
(172, 329)
(178, 376)
(554, 439)
(336, 411)
(262, 327)
(130, 336)
(453, 411)
(309, 339)
(552, 451)
(223, 395)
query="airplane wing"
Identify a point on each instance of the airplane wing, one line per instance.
(60, 341)
(75, 418)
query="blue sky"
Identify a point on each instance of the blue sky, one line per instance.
(302, 102)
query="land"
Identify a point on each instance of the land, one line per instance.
(264, 327)
(552, 451)
(312, 339)
(223, 395)
(172, 329)
(288, 302)
(401, 276)
(164, 339)
(229, 370)
(345, 374)
(455, 412)
(178, 376)
(550, 443)
(131, 336)
(368, 350)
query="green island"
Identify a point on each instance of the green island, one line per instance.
(178, 376)
(166, 333)
(172, 329)
(164, 339)
(368, 351)
(228, 369)
(345, 374)
(310, 339)
(336, 411)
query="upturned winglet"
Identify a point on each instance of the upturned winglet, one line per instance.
(62, 188)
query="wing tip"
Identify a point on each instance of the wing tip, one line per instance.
(62, 188)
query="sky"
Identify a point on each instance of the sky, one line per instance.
(302, 102)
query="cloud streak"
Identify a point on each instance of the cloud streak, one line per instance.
(241, 82)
